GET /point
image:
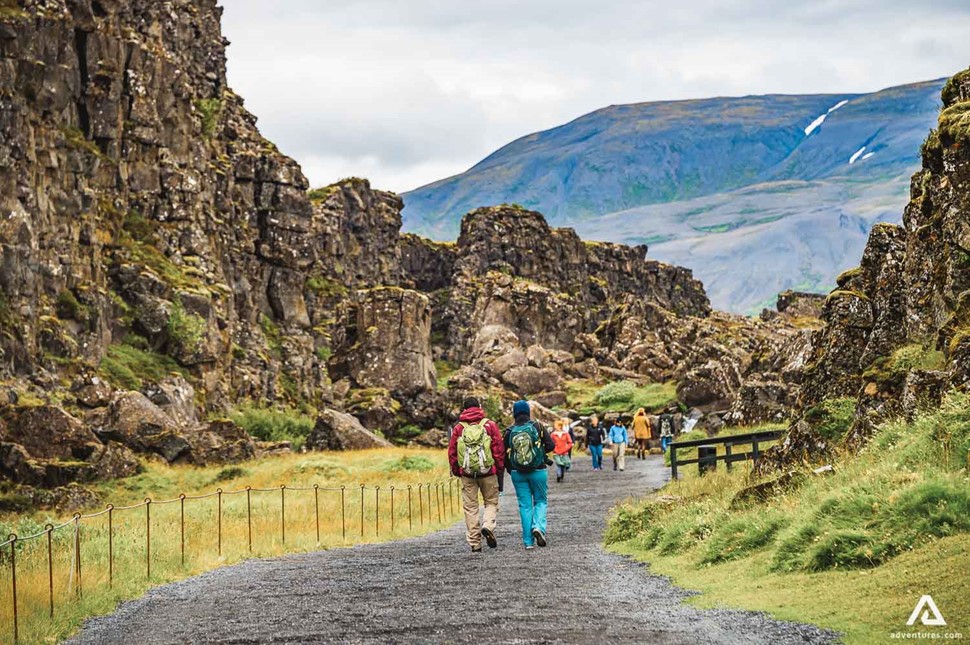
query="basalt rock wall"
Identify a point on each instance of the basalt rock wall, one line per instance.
(897, 332)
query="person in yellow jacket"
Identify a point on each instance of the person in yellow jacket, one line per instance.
(642, 433)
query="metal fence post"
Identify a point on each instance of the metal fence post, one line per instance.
(50, 566)
(111, 563)
(440, 497)
(148, 537)
(249, 516)
(421, 503)
(77, 553)
(392, 509)
(182, 526)
(219, 521)
(427, 489)
(343, 512)
(283, 512)
(377, 510)
(410, 515)
(13, 578)
(361, 510)
(316, 506)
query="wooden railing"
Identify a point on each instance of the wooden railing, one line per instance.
(754, 439)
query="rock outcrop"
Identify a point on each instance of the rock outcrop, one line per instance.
(340, 431)
(896, 328)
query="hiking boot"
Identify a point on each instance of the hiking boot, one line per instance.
(529, 547)
(489, 539)
(476, 549)
(539, 537)
(614, 466)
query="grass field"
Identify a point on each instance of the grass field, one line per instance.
(853, 551)
(341, 522)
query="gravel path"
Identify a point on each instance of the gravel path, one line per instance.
(411, 591)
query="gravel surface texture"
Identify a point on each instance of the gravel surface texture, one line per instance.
(432, 589)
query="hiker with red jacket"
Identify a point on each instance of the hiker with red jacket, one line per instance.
(476, 454)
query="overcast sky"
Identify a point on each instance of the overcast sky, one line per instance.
(405, 92)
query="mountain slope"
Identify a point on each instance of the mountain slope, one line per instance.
(709, 182)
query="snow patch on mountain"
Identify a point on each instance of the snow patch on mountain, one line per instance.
(818, 121)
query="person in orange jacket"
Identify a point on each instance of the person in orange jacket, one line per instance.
(642, 433)
(564, 444)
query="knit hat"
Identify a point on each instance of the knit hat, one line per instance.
(470, 402)
(520, 409)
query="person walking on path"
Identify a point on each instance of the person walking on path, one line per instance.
(595, 436)
(642, 433)
(526, 444)
(476, 455)
(618, 440)
(562, 453)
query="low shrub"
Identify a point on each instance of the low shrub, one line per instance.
(274, 424)
(409, 462)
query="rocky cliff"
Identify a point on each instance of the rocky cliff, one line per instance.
(896, 334)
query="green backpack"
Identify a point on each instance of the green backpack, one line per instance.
(475, 449)
(525, 447)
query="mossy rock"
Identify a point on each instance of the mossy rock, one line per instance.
(847, 276)
(832, 418)
(951, 90)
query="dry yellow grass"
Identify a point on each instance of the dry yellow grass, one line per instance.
(342, 518)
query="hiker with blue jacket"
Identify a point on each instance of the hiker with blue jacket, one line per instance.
(526, 444)
(476, 455)
(618, 440)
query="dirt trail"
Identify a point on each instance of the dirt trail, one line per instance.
(432, 589)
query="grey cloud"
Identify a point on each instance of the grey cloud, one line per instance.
(415, 90)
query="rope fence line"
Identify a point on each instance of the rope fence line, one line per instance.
(439, 503)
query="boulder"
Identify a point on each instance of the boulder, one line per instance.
(71, 498)
(528, 380)
(538, 357)
(710, 385)
(175, 397)
(273, 448)
(340, 431)
(553, 399)
(375, 408)
(510, 360)
(494, 339)
(48, 432)
(16, 464)
(434, 438)
(133, 420)
(92, 391)
(221, 442)
(114, 460)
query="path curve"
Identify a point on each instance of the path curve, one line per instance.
(411, 591)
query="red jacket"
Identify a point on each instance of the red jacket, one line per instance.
(474, 415)
(563, 441)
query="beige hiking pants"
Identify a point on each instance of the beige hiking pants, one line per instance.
(470, 488)
(619, 454)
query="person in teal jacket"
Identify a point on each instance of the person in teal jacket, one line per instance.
(531, 483)
(618, 441)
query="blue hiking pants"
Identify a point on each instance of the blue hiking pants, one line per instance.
(597, 453)
(530, 490)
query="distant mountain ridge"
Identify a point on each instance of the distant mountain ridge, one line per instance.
(795, 181)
